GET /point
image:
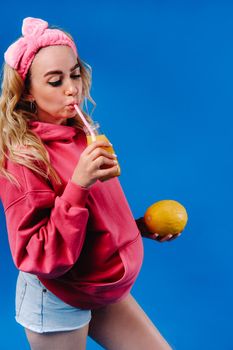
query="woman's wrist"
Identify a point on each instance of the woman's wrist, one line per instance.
(80, 183)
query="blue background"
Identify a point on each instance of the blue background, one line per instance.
(162, 80)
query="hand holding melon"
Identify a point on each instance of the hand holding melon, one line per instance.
(163, 220)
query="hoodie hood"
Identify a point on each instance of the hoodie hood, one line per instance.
(53, 132)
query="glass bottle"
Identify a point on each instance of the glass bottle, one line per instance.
(97, 135)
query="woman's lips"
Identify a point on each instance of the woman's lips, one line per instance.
(71, 105)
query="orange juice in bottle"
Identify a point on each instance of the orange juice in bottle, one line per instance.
(93, 134)
(96, 135)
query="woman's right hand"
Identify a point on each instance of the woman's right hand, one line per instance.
(94, 163)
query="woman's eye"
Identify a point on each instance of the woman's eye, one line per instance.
(75, 76)
(55, 83)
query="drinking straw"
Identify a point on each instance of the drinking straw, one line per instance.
(88, 126)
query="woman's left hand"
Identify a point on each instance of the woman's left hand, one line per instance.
(155, 236)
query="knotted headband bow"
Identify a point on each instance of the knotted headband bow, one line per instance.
(36, 35)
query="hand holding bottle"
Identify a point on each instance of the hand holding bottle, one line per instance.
(95, 163)
(108, 158)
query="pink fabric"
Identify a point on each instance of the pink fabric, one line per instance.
(83, 244)
(36, 35)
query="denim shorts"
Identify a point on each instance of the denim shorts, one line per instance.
(41, 311)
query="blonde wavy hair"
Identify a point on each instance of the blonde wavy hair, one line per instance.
(17, 142)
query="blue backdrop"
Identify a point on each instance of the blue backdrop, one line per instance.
(162, 80)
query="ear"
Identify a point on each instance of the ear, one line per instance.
(28, 97)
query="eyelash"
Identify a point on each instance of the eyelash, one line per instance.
(59, 82)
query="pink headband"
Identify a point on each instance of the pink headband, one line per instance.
(36, 35)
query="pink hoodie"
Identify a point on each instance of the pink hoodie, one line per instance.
(83, 244)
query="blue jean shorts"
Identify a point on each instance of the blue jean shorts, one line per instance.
(41, 311)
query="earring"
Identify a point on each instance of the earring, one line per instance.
(33, 107)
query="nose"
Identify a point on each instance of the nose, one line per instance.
(71, 89)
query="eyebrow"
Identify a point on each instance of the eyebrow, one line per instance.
(60, 72)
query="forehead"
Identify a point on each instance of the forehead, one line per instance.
(53, 57)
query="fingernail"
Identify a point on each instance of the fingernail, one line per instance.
(114, 155)
(115, 161)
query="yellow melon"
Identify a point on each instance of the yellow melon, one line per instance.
(166, 217)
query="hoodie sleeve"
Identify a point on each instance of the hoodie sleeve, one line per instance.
(47, 232)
